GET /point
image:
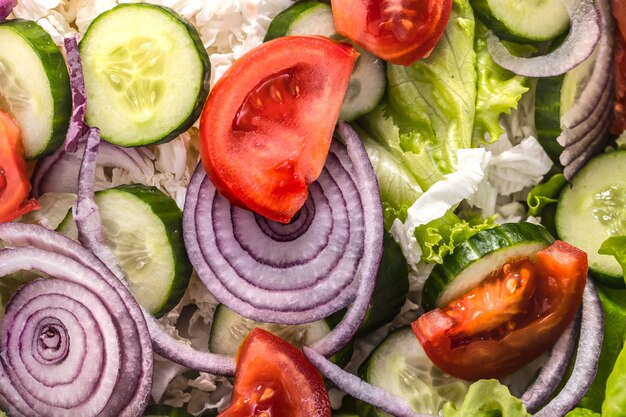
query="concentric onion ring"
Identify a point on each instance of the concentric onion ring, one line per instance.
(73, 344)
(294, 273)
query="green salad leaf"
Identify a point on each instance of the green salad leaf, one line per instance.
(582, 412)
(615, 395)
(616, 246)
(487, 398)
(433, 101)
(498, 91)
(545, 194)
(614, 307)
(439, 237)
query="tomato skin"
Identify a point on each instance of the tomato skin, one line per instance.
(274, 379)
(561, 276)
(398, 31)
(14, 184)
(267, 125)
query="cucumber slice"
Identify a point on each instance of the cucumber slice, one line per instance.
(368, 81)
(554, 98)
(34, 86)
(477, 258)
(524, 21)
(400, 365)
(143, 228)
(165, 411)
(229, 329)
(594, 209)
(146, 74)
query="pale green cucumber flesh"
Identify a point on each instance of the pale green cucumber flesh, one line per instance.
(146, 74)
(368, 82)
(524, 21)
(400, 365)
(34, 86)
(594, 209)
(143, 228)
(479, 257)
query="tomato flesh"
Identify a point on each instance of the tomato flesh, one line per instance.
(266, 128)
(398, 31)
(510, 319)
(274, 379)
(14, 184)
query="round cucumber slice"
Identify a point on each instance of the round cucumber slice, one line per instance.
(594, 209)
(400, 365)
(34, 86)
(477, 258)
(368, 81)
(146, 74)
(524, 21)
(229, 329)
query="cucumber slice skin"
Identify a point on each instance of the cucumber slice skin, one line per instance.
(171, 217)
(55, 68)
(510, 239)
(165, 411)
(575, 222)
(205, 86)
(484, 9)
(548, 115)
(368, 82)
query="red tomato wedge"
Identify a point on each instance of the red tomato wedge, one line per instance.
(14, 184)
(274, 379)
(398, 31)
(266, 128)
(509, 319)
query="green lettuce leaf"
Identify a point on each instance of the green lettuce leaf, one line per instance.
(616, 246)
(433, 101)
(439, 237)
(614, 307)
(582, 412)
(615, 396)
(498, 91)
(487, 398)
(545, 194)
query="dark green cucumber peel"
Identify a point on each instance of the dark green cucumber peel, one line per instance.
(171, 216)
(280, 24)
(548, 115)
(478, 248)
(56, 71)
(202, 56)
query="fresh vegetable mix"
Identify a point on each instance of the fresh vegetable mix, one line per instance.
(284, 225)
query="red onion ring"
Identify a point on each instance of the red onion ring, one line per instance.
(75, 344)
(587, 357)
(578, 45)
(77, 126)
(295, 273)
(6, 7)
(551, 375)
(359, 389)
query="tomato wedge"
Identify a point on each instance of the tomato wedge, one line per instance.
(266, 128)
(14, 184)
(274, 379)
(510, 319)
(398, 31)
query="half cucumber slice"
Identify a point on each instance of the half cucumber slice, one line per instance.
(143, 228)
(524, 21)
(34, 86)
(368, 81)
(479, 257)
(229, 329)
(146, 74)
(400, 365)
(594, 209)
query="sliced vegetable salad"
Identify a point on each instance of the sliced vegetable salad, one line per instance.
(278, 208)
